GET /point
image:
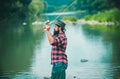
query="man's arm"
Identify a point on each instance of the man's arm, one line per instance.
(49, 35)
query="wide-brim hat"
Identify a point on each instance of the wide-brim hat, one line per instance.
(60, 23)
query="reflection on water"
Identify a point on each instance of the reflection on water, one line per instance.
(25, 53)
(17, 46)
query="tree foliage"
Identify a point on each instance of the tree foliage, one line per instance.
(109, 16)
(19, 8)
(36, 7)
(115, 3)
(91, 6)
(57, 5)
(97, 5)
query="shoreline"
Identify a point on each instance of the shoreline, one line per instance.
(80, 21)
(92, 22)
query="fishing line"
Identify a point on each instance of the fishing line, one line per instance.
(48, 21)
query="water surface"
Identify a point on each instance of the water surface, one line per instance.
(25, 53)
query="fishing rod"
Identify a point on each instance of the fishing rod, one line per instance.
(50, 22)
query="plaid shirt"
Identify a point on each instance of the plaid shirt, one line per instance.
(58, 49)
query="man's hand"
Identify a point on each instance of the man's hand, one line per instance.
(46, 28)
(49, 35)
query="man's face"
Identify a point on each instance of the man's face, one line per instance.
(56, 30)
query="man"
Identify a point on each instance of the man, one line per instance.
(58, 54)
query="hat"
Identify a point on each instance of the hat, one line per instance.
(60, 24)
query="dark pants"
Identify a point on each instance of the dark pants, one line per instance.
(58, 71)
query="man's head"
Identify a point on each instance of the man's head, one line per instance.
(59, 27)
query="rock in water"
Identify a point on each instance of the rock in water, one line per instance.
(74, 76)
(84, 60)
(47, 78)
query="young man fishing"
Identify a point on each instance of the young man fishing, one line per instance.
(58, 42)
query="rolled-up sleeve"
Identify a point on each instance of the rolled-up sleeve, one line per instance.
(58, 41)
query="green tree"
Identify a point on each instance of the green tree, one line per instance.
(36, 7)
(25, 2)
(93, 6)
(115, 3)
(20, 8)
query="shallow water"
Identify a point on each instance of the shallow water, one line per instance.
(25, 53)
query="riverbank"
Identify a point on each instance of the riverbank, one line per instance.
(91, 22)
(108, 17)
(94, 22)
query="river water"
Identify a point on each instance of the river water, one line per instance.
(92, 53)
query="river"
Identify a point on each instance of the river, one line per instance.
(25, 52)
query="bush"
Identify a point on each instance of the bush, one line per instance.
(70, 18)
(87, 17)
(109, 16)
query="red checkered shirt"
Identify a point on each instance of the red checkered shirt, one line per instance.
(58, 53)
